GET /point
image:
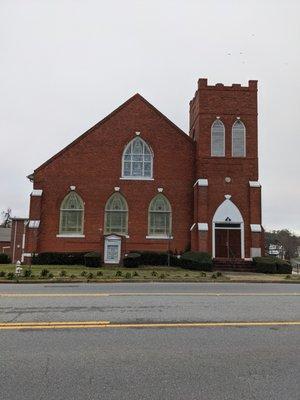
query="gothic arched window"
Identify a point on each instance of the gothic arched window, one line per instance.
(137, 161)
(71, 214)
(160, 216)
(238, 139)
(218, 139)
(116, 215)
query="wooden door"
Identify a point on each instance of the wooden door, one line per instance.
(227, 243)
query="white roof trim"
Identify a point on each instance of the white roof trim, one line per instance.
(202, 226)
(193, 226)
(34, 223)
(255, 228)
(201, 182)
(26, 254)
(37, 192)
(254, 184)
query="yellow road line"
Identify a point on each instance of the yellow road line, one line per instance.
(106, 324)
(145, 294)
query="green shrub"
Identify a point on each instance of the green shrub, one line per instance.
(214, 276)
(90, 275)
(83, 273)
(2, 274)
(63, 273)
(271, 265)
(132, 260)
(10, 275)
(135, 273)
(154, 273)
(93, 260)
(73, 276)
(195, 260)
(4, 258)
(99, 273)
(203, 274)
(128, 275)
(50, 275)
(44, 273)
(218, 273)
(162, 276)
(119, 273)
(58, 259)
(27, 273)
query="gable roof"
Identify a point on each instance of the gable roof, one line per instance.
(134, 97)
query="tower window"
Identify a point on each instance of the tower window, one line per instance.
(218, 139)
(238, 139)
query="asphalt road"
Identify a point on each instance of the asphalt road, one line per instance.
(209, 363)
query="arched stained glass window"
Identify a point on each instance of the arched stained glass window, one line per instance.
(218, 139)
(160, 216)
(116, 215)
(137, 160)
(71, 214)
(238, 139)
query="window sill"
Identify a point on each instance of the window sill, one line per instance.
(135, 178)
(69, 235)
(164, 237)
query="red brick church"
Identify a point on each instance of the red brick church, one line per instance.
(135, 181)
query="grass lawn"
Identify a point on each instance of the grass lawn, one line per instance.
(145, 273)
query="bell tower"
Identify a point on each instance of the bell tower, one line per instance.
(223, 123)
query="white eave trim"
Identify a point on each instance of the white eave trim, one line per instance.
(34, 223)
(26, 254)
(201, 182)
(70, 235)
(254, 184)
(165, 237)
(202, 226)
(37, 192)
(255, 227)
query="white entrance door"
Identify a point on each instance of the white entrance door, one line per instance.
(112, 249)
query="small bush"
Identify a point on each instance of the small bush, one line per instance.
(50, 275)
(10, 275)
(162, 276)
(132, 260)
(218, 273)
(4, 258)
(154, 273)
(128, 275)
(93, 260)
(195, 260)
(73, 276)
(287, 277)
(214, 276)
(271, 265)
(58, 259)
(2, 274)
(83, 273)
(62, 273)
(99, 273)
(44, 273)
(27, 273)
(186, 274)
(203, 274)
(135, 273)
(119, 273)
(90, 275)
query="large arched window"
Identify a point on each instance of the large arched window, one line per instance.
(218, 139)
(71, 214)
(160, 217)
(116, 215)
(137, 160)
(238, 139)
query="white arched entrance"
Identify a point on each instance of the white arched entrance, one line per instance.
(228, 231)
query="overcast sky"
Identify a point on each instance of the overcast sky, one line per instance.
(64, 65)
